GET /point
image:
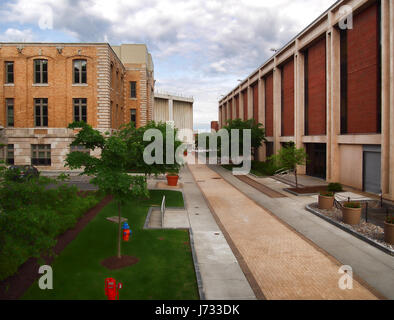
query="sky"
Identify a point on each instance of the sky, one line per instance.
(200, 48)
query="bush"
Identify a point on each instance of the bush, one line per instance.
(32, 216)
(352, 205)
(267, 168)
(335, 187)
(326, 194)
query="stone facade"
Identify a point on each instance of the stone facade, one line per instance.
(104, 91)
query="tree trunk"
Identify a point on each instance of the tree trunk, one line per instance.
(119, 232)
(296, 178)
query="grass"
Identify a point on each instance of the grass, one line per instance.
(165, 270)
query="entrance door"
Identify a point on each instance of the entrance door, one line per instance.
(316, 164)
(371, 169)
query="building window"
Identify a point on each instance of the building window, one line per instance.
(133, 89)
(9, 72)
(10, 154)
(41, 154)
(80, 71)
(79, 149)
(10, 112)
(133, 116)
(41, 71)
(41, 112)
(80, 113)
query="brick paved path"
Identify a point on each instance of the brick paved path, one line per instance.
(283, 263)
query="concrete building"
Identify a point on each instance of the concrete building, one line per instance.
(177, 110)
(331, 91)
(46, 86)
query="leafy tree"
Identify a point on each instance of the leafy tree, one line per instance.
(257, 133)
(136, 145)
(110, 169)
(289, 157)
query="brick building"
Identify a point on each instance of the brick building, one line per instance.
(46, 86)
(331, 91)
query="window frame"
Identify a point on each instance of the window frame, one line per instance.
(41, 103)
(10, 150)
(7, 73)
(80, 103)
(81, 72)
(41, 71)
(133, 90)
(9, 102)
(38, 161)
(135, 115)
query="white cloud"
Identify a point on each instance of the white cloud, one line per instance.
(16, 35)
(215, 42)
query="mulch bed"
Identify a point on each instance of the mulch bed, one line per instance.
(27, 273)
(114, 263)
(309, 190)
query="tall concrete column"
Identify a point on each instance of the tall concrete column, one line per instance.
(241, 105)
(391, 85)
(299, 101)
(277, 107)
(170, 109)
(234, 107)
(333, 103)
(385, 166)
(262, 154)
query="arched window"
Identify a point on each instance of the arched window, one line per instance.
(79, 71)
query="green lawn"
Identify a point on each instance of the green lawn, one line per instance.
(165, 269)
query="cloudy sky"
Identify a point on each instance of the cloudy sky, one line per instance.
(200, 48)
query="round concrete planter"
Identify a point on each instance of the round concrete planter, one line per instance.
(325, 202)
(351, 216)
(389, 232)
(172, 180)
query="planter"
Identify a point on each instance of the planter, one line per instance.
(172, 180)
(351, 216)
(389, 232)
(326, 202)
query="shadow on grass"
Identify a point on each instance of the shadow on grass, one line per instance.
(165, 269)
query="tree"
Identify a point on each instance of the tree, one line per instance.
(257, 133)
(136, 145)
(289, 157)
(109, 171)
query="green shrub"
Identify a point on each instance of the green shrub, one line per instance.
(352, 205)
(32, 216)
(335, 187)
(390, 219)
(326, 194)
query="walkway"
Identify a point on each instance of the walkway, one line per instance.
(284, 264)
(221, 275)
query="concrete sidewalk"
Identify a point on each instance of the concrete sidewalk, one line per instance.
(375, 267)
(221, 275)
(283, 263)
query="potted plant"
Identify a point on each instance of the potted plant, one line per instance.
(185, 153)
(351, 213)
(389, 230)
(326, 200)
(172, 178)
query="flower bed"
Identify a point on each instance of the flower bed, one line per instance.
(366, 231)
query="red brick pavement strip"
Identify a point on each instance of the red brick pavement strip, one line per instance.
(284, 264)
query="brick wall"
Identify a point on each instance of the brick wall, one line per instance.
(362, 60)
(230, 107)
(288, 98)
(255, 89)
(269, 105)
(245, 103)
(315, 72)
(237, 106)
